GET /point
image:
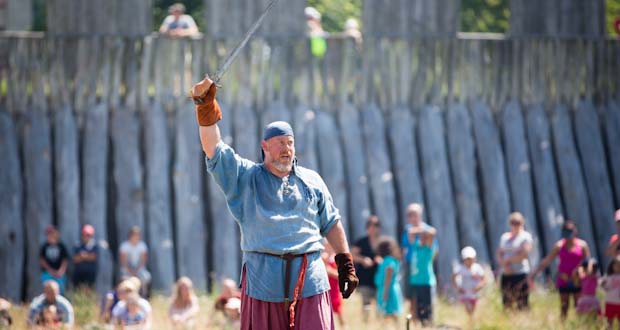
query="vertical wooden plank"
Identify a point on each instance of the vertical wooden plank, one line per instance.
(37, 153)
(439, 206)
(590, 144)
(519, 172)
(574, 193)
(66, 167)
(188, 175)
(355, 170)
(11, 226)
(331, 162)
(403, 144)
(379, 169)
(549, 204)
(492, 171)
(463, 164)
(126, 162)
(612, 130)
(94, 158)
(304, 125)
(158, 212)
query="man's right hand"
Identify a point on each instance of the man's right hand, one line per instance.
(208, 112)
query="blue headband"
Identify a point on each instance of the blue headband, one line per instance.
(277, 128)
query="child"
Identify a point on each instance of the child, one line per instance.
(588, 302)
(611, 284)
(229, 303)
(49, 319)
(332, 275)
(134, 317)
(469, 279)
(389, 294)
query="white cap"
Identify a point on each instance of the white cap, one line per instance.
(351, 24)
(468, 252)
(312, 13)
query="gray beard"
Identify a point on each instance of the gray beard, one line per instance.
(282, 167)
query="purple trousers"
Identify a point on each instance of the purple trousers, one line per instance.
(312, 313)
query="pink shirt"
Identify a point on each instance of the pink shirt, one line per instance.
(570, 259)
(612, 289)
(589, 284)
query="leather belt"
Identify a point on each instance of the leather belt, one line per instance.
(299, 284)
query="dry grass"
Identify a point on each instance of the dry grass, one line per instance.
(489, 315)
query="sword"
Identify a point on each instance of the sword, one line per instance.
(248, 35)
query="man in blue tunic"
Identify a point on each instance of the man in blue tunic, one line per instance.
(283, 211)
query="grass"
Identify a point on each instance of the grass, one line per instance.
(489, 314)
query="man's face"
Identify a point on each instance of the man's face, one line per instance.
(177, 14)
(280, 152)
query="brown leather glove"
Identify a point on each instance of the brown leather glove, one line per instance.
(207, 110)
(347, 279)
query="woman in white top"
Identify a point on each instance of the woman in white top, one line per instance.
(184, 305)
(133, 255)
(512, 256)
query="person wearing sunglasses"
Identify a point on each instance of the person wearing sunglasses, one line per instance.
(512, 257)
(571, 251)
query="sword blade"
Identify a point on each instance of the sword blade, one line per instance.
(248, 35)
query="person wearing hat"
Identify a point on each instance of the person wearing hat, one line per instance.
(283, 211)
(85, 259)
(468, 278)
(177, 24)
(613, 248)
(53, 258)
(571, 251)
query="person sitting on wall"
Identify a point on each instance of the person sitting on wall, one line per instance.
(177, 24)
(54, 259)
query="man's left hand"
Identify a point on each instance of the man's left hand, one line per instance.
(347, 279)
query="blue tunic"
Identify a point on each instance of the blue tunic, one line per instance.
(275, 215)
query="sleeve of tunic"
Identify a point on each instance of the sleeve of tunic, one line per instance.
(328, 213)
(228, 169)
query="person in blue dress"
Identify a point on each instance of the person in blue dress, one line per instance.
(389, 293)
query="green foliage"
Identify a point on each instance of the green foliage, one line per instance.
(485, 15)
(612, 11)
(336, 12)
(192, 7)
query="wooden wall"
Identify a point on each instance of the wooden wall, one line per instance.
(471, 128)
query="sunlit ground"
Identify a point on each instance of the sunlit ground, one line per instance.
(544, 314)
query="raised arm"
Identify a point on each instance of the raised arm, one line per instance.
(208, 113)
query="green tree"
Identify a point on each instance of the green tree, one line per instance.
(612, 11)
(336, 12)
(485, 15)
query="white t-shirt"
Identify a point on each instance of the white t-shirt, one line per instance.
(468, 278)
(133, 252)
(184, 22)
(511, 246)
(612, 289)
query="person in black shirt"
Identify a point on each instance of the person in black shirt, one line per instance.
(366, 261)
(54, 259)
(85, 259)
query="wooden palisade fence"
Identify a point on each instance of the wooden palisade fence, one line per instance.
(99, 130)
